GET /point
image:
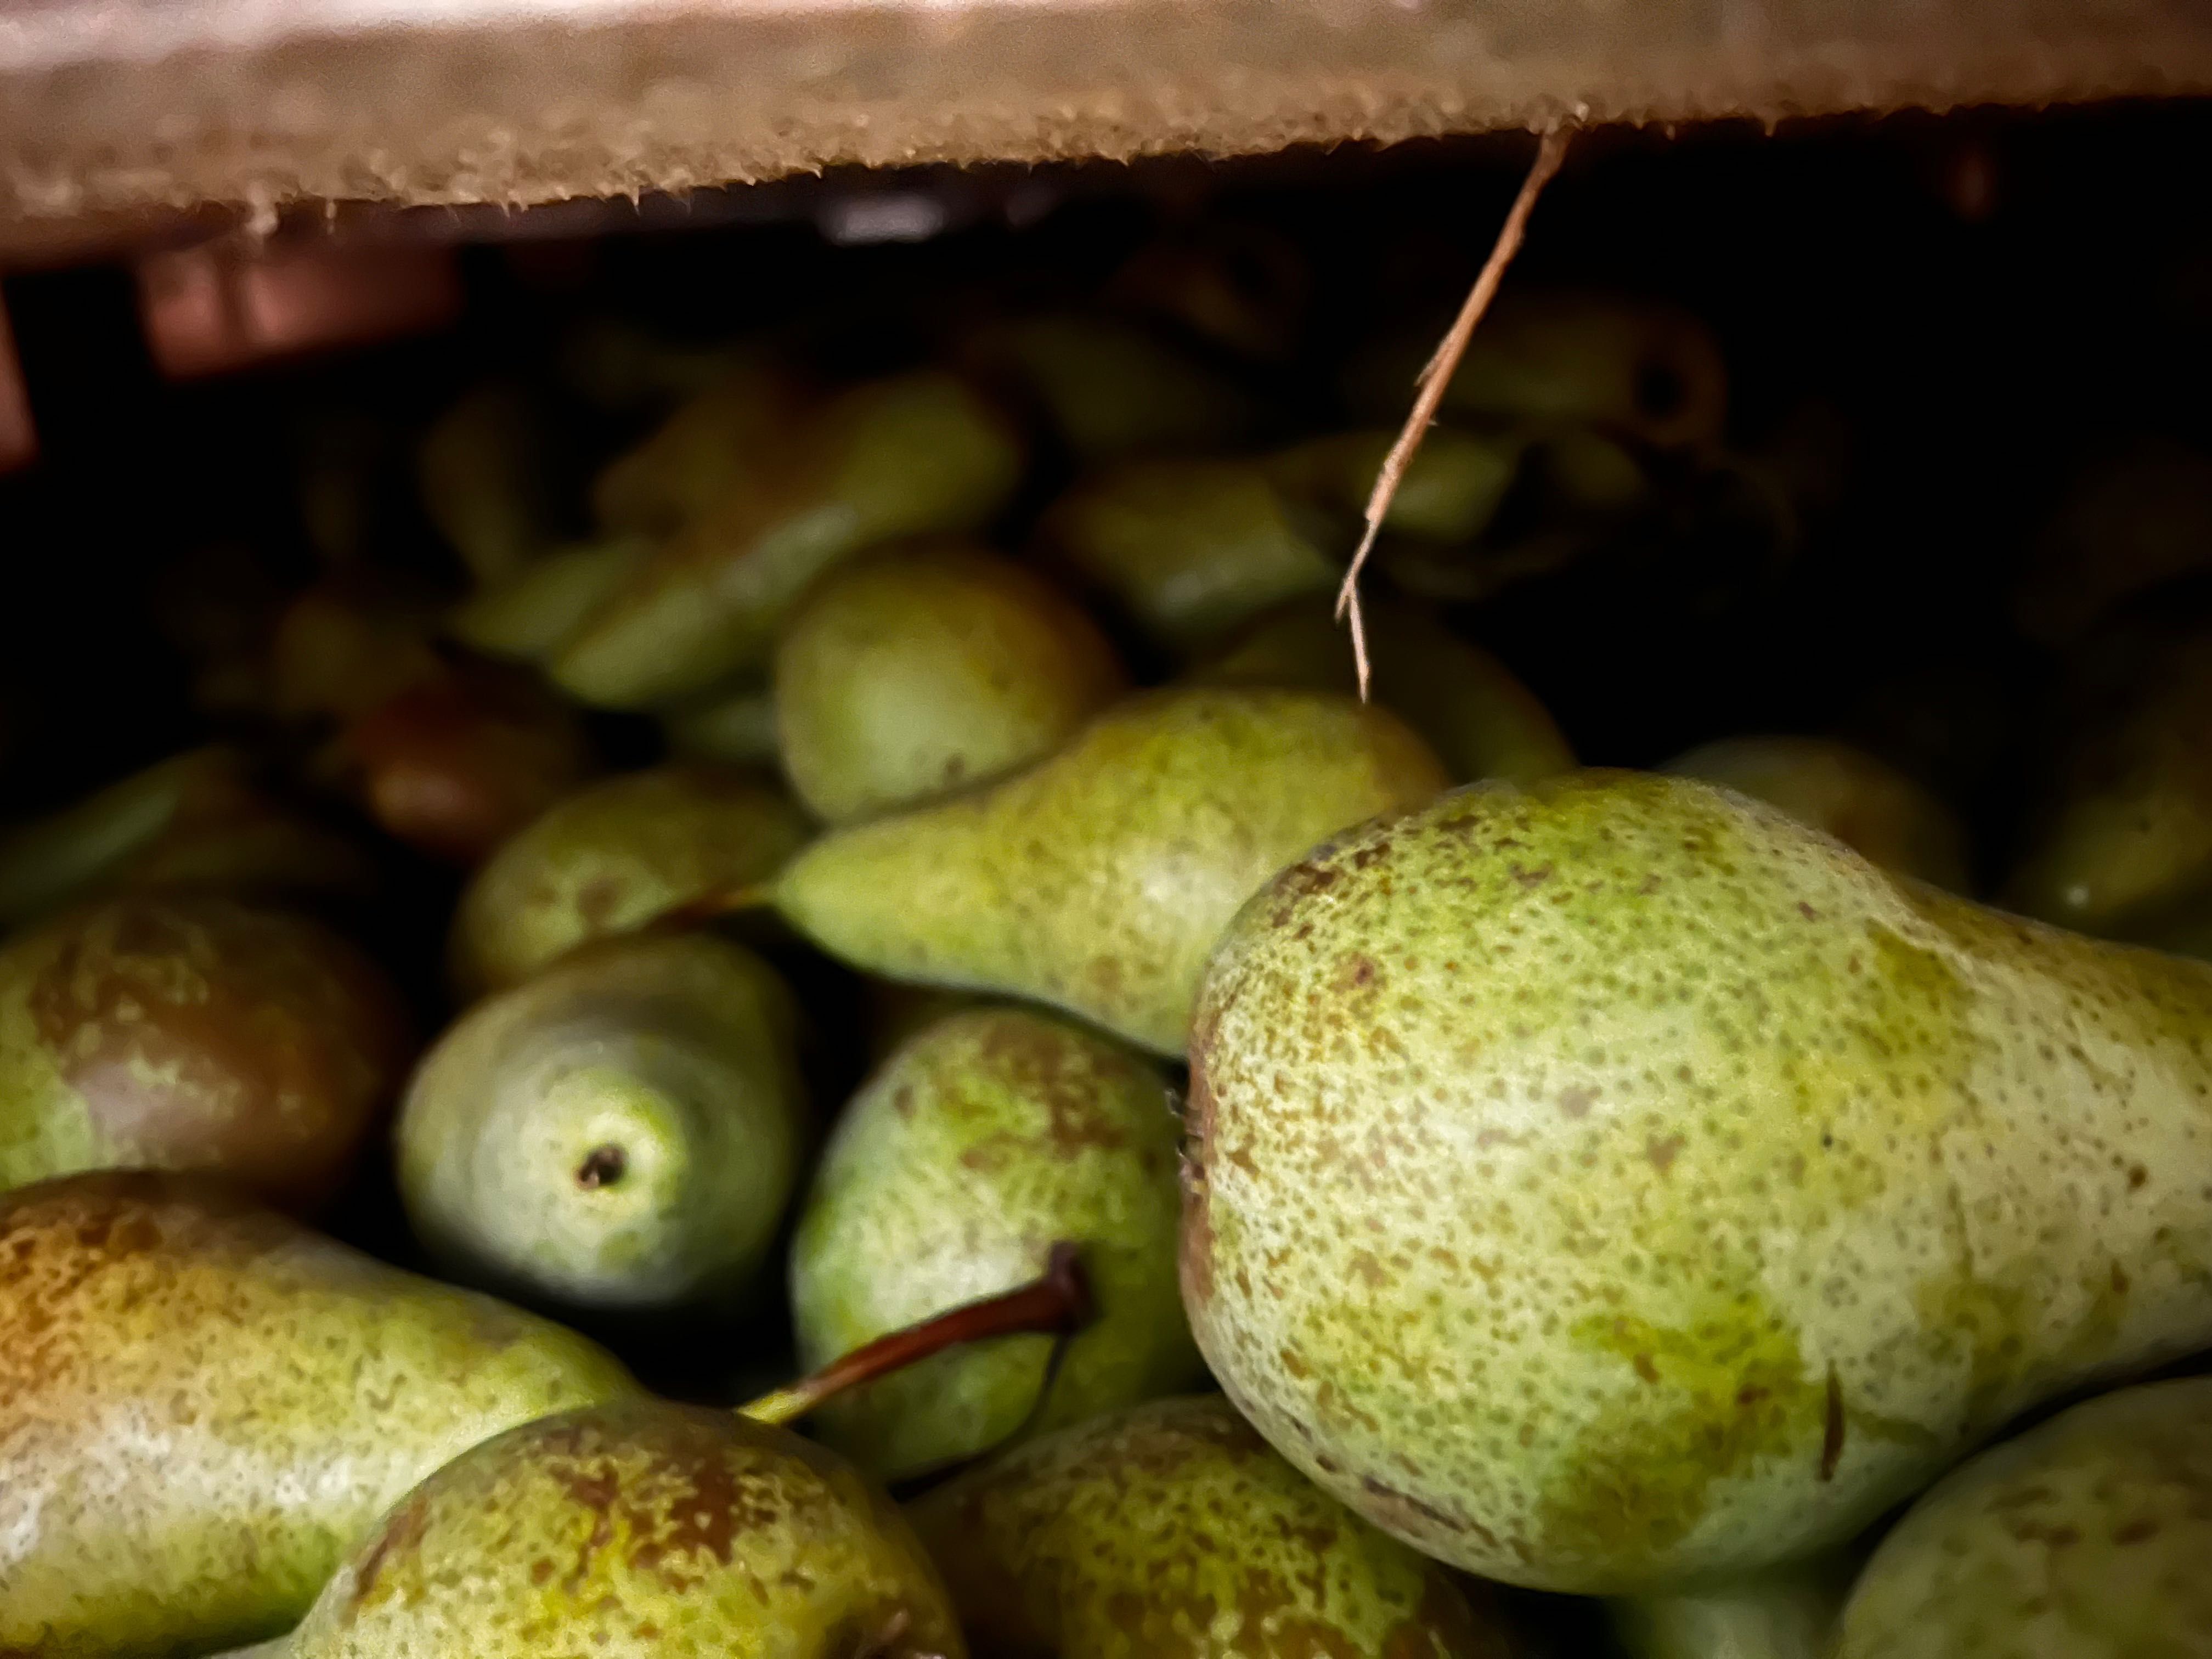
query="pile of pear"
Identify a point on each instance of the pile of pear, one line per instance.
(1491, 1181)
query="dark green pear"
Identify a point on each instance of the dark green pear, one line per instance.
(621, 1132)
(986, 1139)
(736, 727)
(204, 1405)
(1112, 388)
(2127, 523)
(2086, 1538)
(1242, 287)
(1481, 721)
(1448, 492)
(1785, 1612)
(921, 670)
(1098, 879)
(724, 439)
(1172, 1531)
(1186, 551)
(636, 1530)
(486, 472)
(610, 858)
(922, 455)
(1697, 1190)
(1867, 804)
(192, 1032)
(531, 615)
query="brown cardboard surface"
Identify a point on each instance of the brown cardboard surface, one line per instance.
(117, 107)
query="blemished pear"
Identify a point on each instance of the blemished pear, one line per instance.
(612, 857)
(203, 1405)
(918, 670)
(989, 1137)
(192, 1032)
(637, 1530)
(2087, 1537)
(1098, 879)
(1171, 1530)
(622, 1131)
(1699, 1191)
(1863, 802)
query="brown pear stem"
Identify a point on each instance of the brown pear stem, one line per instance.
(1054, 1304)
(714, 904)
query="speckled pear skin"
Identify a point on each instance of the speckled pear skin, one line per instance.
(922, 670)
(622, 1131)
(1863, 802)
(204, 1405)
(986, 1139)
(1699, 1191)
(637, 1528)
(189, 1032)
(1098, 879)
(612, 857)
(1172, 1531)
(2088, 1537)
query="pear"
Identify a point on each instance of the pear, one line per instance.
(621, 1133)
(919, 455)
(1112, 388)
(724, 438)
(1098, 879)
(1187, 550)
(1242, 287)
(349, 643)
(185, 1032)
(1697, 1190)
(736, 727)
(203, 1405)
(1864, 803)
(986, 1139)
(634, 1530)
(1481, 721)
(1448, 492)
(1784, 1612)
(200, 821)
(530, 616)
(485, 471)
(1171, 1529)
(921, 670)
(610, 858)
(2127, 523)
(2085, 1538)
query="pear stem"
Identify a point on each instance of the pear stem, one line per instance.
(714, 904)
(1055, 1302)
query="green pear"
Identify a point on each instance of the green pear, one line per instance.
(2086, 1538)
(203, 1405)
(1448, 492)
(610, 858)
(198, 822)
(2127, 523)
(1171, 1528)
(922, 670)
(1784, 1612)
(1481, 721)
(986, 1139)
(1186, 551)
(634, 1531)
(1697, 1190)
(1098, 879)
(1864, 803)
(919, 455)
(1112, 388)
(736, 727)
(196, 1033)
(485, 471)
(531, 615)
(726, 437)
(620, 1132)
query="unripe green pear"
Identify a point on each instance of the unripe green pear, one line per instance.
(1172, 1531)
(610, 858)
(1697, 1190)
(1098, 879)
(989, 1137)
(636, 1530)
(486, 472)
(532, 614)
(621, 1132)
(1111, 388)
(726, 437)
(192, 1032)
(1449, 491)
(2087, 1537)
(925, 669)
(204, 1405)
(1783, 1613)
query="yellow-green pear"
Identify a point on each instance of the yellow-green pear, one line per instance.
(612, 857)
(2087, 1537)
(1697, 1190)
(986, 1139)
(726, 437)
(1481, 721)
(921, 454)
(529, 616)
(1448, 492)
(620, 1132)
(1111, 388)
(637, 1530)
(1867, 804)
(1186, 551)
(1098, 879)
(918, 671)
(204, 1405)
(1171, 1531)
